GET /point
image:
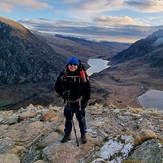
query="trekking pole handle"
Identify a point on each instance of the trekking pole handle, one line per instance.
(65, 95)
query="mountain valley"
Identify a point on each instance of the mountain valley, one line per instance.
(31, 61)
(119, 130)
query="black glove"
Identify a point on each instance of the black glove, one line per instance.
(84, 103)
(65, 94)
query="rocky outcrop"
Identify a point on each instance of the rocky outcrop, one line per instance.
(115, 135)
(149, 151)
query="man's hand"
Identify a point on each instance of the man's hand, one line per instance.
(84, 103)
(65, 94)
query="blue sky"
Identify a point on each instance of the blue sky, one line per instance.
(111, 20)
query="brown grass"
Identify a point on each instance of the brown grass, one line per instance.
(139, 139)
(132, 161)
(17, 27)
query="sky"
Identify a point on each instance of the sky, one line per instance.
(97, 20)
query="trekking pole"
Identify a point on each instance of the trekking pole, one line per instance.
(73, 124)
(72, 121)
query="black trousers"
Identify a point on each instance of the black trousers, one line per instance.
(69, 112)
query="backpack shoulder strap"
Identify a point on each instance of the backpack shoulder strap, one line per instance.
(81, 66)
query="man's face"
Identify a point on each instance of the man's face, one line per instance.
(72, 67)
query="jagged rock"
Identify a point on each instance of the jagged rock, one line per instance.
(67, 152)
(148, 152)
(30, 107)
(1, 120)
(61, 153)
(96, 112)
(32, 139)
(11, 120)
(12, 133)
(6, 158)
(39, 161)
(48, 115)
(18, 150)
(3, 128)
(50, 139)
(5, 144)
(31, 130)
(121, 145)
(27, 114)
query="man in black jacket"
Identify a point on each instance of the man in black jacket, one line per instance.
(74, 87)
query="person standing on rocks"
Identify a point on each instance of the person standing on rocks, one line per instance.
(74, 86)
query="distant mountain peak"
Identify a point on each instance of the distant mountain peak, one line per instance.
(156, 34)
(147, 51)
(8, 26)
(158, 42)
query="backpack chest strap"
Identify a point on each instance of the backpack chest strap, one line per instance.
(71, 78)
(74, 101)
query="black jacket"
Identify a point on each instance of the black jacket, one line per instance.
(72, 82)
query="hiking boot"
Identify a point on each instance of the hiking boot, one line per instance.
(83, 138)
(66, 138)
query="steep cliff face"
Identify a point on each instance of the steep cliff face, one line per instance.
(23, 57)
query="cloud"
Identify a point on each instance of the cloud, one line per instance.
(94, 18)
(112, 20)
(6, 7)
(145, 5)
(109, 5)
(70, 1)
(94, 7)
(84, 9)
(9, 5)
(119, 32)
(154, 20)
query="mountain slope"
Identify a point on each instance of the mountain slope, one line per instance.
(24, 57)
(83, 49)
(30, 63)
(102, 49)
(132, 72)
(148, 51)
(28, 66)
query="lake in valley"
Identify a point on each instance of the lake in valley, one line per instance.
(152, 99)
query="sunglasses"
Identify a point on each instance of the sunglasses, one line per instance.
(72, 64)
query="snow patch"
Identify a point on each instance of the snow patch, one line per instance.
(110, 148)
(121, 146)
(158, 42)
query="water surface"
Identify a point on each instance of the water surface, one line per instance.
(97, 65)
(152, 99)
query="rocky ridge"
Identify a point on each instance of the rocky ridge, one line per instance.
(33, 134)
